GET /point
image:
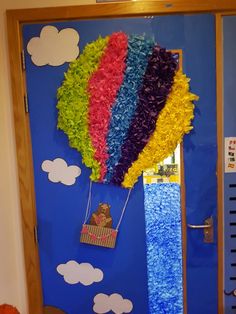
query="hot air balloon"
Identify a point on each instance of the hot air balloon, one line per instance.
(125, 105)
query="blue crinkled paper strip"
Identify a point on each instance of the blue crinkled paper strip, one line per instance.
(164, 248)
(139, 49)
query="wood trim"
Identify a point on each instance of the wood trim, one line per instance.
(227, 13)
(180, 52)
(220, 145)
(25, 170)
(183, 208)
(184, 227)
(123, 9)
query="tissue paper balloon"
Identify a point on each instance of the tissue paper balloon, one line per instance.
(125, 106)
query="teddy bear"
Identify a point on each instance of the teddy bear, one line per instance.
(102, 217)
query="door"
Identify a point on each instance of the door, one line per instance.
(61, 203)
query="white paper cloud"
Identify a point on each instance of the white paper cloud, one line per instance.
(54, 47)
(83, 273)
(59, 171)
(104, 303)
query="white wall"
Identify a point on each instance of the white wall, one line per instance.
(12, 276)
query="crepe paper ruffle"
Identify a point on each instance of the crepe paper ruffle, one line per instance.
(103, 87)
(139, 50)
(156, 86)
(73, 101)
(173, 122)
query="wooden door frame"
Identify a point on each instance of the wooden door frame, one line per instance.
(15, 19)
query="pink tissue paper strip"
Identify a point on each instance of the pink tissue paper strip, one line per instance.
(103, 87)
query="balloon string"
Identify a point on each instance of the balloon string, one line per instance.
(123, 210)
(88, 209)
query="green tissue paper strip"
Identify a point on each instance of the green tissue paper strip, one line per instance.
(73, 102)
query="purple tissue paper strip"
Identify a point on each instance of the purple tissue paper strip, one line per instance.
(157, 82)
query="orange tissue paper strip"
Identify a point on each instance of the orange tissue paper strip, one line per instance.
(8, 309)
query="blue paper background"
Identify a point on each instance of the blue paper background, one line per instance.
(61, 209)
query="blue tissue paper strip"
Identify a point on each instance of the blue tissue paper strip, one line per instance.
(164, 248)
(139, 50)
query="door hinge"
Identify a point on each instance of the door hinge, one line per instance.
(23, 60)
(26, 103)
(36, 239)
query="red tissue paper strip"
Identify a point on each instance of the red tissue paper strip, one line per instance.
(103, 87)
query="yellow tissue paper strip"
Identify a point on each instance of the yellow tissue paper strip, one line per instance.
(173, 122)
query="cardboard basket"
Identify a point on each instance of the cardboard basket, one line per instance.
(100, 236)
